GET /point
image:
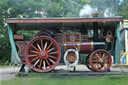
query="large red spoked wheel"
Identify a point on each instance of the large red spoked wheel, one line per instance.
(43, 54)
(100, 60)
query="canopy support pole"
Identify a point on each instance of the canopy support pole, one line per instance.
(14, 55)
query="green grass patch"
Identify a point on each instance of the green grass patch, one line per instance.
(120, 66)
(52, 79)
(7, 66)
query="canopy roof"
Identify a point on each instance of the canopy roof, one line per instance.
(53, 23)
(63, 20)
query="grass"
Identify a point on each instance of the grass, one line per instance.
(52, 79)
(7, 66)
(125, 66)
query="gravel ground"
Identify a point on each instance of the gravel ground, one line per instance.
(9, 73)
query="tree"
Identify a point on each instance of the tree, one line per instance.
(32, 9)
(105, 7)
(123, 9)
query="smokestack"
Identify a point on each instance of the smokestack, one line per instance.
(94, 15)
(95, 26)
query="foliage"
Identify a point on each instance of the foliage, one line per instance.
(50, 8)
(32, 9)
(123, 9)
(65, 8)
(107, 8)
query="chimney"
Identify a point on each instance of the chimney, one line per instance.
(95, 26)
(94, 15)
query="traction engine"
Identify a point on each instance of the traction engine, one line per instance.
(70, 41)
(66, 48)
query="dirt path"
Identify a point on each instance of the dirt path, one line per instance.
(8, 73)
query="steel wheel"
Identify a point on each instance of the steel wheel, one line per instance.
(43, 54)
(88, 64)
(100, 60)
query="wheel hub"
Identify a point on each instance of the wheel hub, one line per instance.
(101, 60)
(43, 54)
(71, 58)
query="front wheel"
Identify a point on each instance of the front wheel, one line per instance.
(100, 60)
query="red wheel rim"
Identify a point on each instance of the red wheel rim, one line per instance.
(88, 64)
(100, 60)
(43, 54)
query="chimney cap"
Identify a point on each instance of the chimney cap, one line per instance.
(94, 14)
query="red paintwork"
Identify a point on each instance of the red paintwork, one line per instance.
(84, 47)
(59, 37)
(65, 20)
(21, 50)
(68, 36)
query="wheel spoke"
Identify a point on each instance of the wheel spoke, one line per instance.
(97, 56)
(53, 53)
(35, 48)
(106, 61)
(52, 56)
(32, 55)
(100, 54)
(34, 59)
(33, 51)
(49, 46)
(42, 44)
(40, 63)
(95, 61)
(45, 45)
(36, 62)
(97, 66)
(38, 46)
(103, 55)
(44, 64)
(50, 49)
(48, 63)
(51, 60)
(105, 65)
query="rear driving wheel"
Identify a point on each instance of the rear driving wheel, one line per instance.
(43, 54)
